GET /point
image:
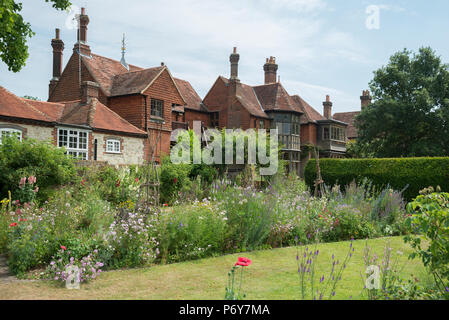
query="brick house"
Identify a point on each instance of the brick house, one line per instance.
(149, 99)
(233, 104)
(86, 128)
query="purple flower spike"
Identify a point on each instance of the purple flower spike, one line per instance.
(333, 294)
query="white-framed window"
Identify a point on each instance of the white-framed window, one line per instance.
(75, 141)
(8, 132)
(113, 146)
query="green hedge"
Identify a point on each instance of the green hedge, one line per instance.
(417, 173)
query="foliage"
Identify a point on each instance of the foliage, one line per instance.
(174, 179)
(14, 32)
(430, 218)
(33, 158)
(327, 286)
(89, 267)
(408, 174)
(409, 115)
(185, 233)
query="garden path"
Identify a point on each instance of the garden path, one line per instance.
(5, 276)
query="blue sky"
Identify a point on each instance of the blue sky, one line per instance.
(322, 46)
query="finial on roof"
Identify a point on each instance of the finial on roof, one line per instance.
(123, 61)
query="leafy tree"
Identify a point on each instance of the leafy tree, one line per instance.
(410, 113)
(31, 98)
(14, 32)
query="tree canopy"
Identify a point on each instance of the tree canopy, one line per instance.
(14, 32)
(409, 116)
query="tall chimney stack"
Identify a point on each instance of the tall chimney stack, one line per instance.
(82, 34)
(270, 69)
(234, 59)
(327, 112)
(365, 98)
(58, 48)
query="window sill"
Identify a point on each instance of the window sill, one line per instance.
(116, 153)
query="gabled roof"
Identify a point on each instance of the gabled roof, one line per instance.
(248, 98)
(94, 114)
(349, 118)
(310, 114)
(134, 82)
(13, 106)
(104, 70)
(274, 97)
(190, 96)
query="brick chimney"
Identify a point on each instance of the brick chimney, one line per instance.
(58, 48)
(270, 69)
(365, 98)
(234, 59)
(327, 111)
(89, 90)
(82, 45)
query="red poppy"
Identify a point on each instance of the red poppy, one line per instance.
(165, 205)
(137, 180)
(63, 248)
(82, 182)
(244, 262)
(21, 219)
(12, 225)
(117, 184)
(175, 180)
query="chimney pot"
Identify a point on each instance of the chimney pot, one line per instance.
(365, 98)
(234, 59)
(83, 11)
(270, 69)
(327, 110)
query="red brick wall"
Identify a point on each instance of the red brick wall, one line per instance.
(130, 108)
(68, 88)
(217, 100)
(164, 89)
(308, 134)
(191, 115)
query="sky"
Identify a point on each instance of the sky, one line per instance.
(322, 47)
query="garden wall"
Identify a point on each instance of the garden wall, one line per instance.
(416, 173)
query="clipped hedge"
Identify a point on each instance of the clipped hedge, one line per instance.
(417, 173)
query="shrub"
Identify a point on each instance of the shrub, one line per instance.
(411, 174)
(430, 217)
(174, 179)
(188, 233)
(33, 158)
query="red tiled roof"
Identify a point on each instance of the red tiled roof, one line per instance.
(53, 110)
(274, 97)
(248, 98)
(104, 70)
(94, 115)
(13, 106)
(349, 118)
(310, 114)
(191, 97)
(134, 82)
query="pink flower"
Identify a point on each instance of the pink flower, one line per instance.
(12, 225)
(63, 248)
(22, 181)
(36, 190)
(32, 180)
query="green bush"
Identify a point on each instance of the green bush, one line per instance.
(174, 179)
(43, 160)
(430, 219)
(411, 174)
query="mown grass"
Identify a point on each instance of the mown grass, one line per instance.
(273, 276)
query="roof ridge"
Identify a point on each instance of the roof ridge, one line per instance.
(135, 71)
(103, 57)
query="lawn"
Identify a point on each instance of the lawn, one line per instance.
(273, 276)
